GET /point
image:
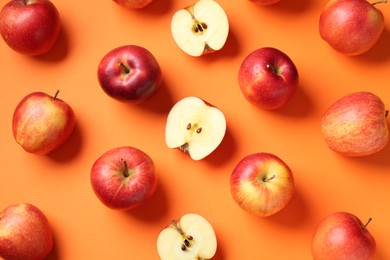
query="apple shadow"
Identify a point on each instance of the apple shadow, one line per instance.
(155, 8)
(287, 6)
(70, 148)
(379, 53)
(55, 252)
(294, 214)
(219, 255)
(224, 151)
(299, 105)
(379, 158)
(160, 102)
(155, 208)
(59, 50)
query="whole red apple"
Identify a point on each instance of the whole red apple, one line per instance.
(268, 78)
(130, 73)
(41, 123)
(123, 178)
(25, 233)
(30, 27)
(342, 235)
(262, 184)
(356, 125)
(133, 4)
(351, 27)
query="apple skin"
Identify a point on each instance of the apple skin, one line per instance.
(123, 178)
(42, 123)
(356, 125)
(262, 184)
(133, 4)
(129, 73)
(342, 235)
(30, 27)
(268, 78)
(25, 233)
(351, 27)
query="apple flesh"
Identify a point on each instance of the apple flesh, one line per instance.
(25, 233)
(351, 27)
(342, 235)
(201, 28)
(356, 125)
(123, 178)
(42, 123)
(30, 27)
(195, 127)
(268, 78)
(190, 238)
(129, 73)
(133, 4)
(262, 184)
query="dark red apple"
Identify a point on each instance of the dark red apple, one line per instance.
(123, 178)
(30, 27)
(268, 78)
(129, 73)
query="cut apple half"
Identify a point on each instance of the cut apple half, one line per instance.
(200, 28)
(195, 127)
(190, 238)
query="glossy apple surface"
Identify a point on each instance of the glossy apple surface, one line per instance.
(133, 4)
(30, 27)
(342, 235)
(262, 184)
(268, 78)
(351, 27)
(123, 178)
(129, 73)
(25, 233)
(356, 125)
(42, 123)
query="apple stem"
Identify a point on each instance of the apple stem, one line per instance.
(386, 113)
(368, 222)
(126, 69)
(272, 68)
(126, 168)
(380, 2)
(270, 178)
(56, 94)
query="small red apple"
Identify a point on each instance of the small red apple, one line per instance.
(133, 4)
(123, 178)
(129, 73)
(356, 125)
(41, 123)
(342, 235)
(268, 78)
(30, 27)
(262, 184)
(351, 27)
(25, 233)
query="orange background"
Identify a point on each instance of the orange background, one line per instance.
(325, 181)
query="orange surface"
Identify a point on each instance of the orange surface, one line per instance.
(325, 181)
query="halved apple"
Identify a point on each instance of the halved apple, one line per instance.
(195, 127)
(190, 238)
(200, 28)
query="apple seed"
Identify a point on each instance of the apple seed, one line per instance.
(187, 238)
(199, 27)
